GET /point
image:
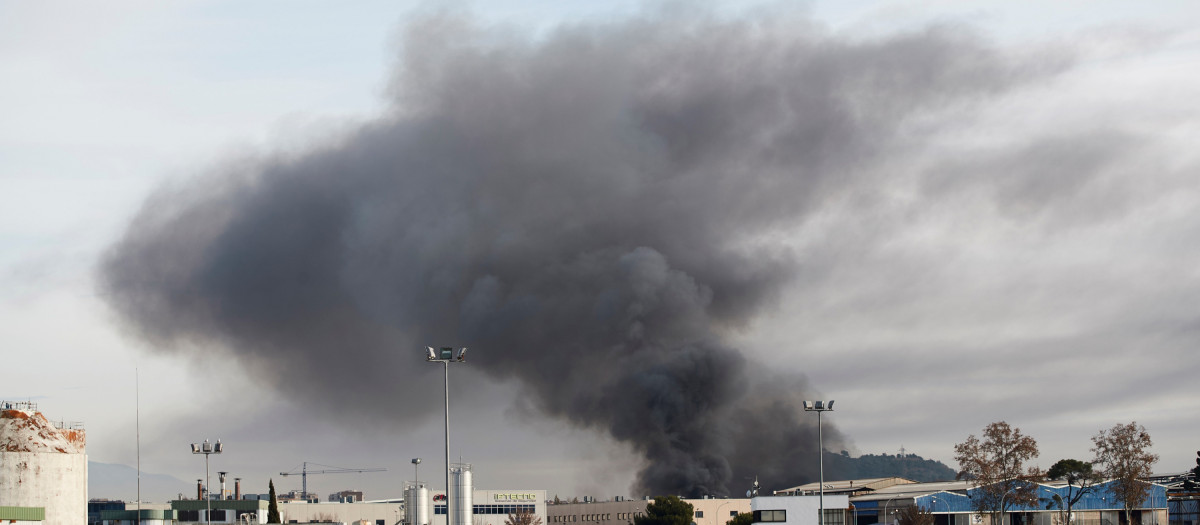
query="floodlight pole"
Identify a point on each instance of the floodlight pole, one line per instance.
(445, 355)
(818, 407)
(207, 449)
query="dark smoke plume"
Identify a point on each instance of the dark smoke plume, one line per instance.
(593, 211)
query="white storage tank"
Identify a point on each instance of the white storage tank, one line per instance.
(42, 464)
(416, 504)
(459, 498)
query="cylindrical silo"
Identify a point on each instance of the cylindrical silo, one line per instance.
(42, 464)
(460, 510)
(416, 504)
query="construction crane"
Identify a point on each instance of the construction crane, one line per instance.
(304, 472)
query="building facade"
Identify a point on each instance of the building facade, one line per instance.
(622, 511)
(800, 510)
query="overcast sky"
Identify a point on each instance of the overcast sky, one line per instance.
(1020, 246)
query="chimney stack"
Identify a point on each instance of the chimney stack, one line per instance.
(237, 488)
(199, 489)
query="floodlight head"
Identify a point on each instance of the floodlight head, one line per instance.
(830, 405)
(447, 353)
(416, 461)
(195, 448)
(808, 405)
(219, 448)
(431, 355)
(222, 476)
(818, 405)
(462, 354)
(206, 447)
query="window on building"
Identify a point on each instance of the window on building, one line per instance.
(834, 517)
(699, 514)
(770, 516)
(733, 513)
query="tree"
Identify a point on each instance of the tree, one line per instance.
(997, 467)
(523, 517)
(1081, 480)
(273, 506)
(743, 518)
(666, 510)
(1123, 455)
(914, 515)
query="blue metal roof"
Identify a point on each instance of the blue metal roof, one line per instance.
(1099, 498)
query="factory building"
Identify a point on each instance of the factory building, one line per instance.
(489, 507)
(877, 501)
(43, 465)
(422, 506)
(621, 511)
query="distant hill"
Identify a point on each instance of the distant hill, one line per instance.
(908, 466)
(120, 482)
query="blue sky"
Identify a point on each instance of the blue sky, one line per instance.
(104, 104)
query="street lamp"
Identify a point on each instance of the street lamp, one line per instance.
(889, 502)
(818, 407)
(1005, 495)
(949, 516)
(445, 356)
(719, 507)
(207, 449)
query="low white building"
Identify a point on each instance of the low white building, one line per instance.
(800, 510)
(489, 507)
(622, 511)
(492, 507)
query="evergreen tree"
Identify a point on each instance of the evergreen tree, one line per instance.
(273, 507)
(666, 510)
(1081, 481)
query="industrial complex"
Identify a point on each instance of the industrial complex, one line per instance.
(43, 480)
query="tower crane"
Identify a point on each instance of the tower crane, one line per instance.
(304, 472)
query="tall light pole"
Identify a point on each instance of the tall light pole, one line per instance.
(445, 356)
(818, 407)
(207, 449)
(416, 476)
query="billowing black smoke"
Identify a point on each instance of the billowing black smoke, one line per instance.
(593, 212)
